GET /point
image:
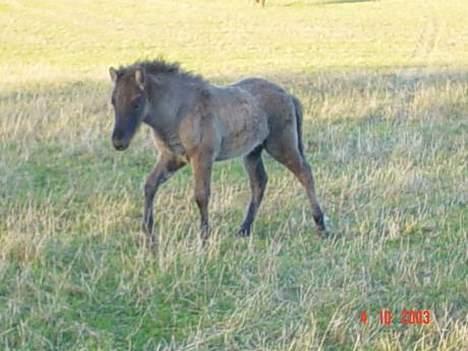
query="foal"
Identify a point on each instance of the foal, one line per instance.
(197, 123)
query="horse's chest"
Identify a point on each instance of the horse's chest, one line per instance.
(169, 142)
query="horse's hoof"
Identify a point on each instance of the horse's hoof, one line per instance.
(145, 241)
(204, 243)
(243, 232)
(323, 233)
(324, 230)
(151, 242)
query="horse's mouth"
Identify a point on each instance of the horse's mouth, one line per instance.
(120, 146)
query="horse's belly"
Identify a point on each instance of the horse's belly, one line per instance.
(241, 134)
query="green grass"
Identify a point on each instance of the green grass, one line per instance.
(385, 90)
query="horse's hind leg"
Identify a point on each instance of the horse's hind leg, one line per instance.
(253, 164)
(284, 149)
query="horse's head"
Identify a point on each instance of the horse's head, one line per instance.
(130, 100)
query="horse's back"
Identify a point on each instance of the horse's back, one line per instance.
(270, 97)
(257, 85)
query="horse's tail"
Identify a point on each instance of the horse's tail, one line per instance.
(299, 116)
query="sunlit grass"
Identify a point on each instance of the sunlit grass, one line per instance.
(50, 40)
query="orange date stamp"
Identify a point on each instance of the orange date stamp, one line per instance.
(406, 317)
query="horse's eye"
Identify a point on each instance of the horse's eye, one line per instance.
(136, 103)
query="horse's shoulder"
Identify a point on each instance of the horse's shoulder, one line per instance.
(203, 94)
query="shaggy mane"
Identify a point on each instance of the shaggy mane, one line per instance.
(159, 66)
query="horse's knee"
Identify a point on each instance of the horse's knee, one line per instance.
(149, 190)
(201, 197)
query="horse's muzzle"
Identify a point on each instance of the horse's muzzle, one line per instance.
(119, 139)
(119, 144)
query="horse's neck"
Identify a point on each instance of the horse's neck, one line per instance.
(162, 115)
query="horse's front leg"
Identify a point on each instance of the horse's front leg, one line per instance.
(164, 169)
(202, 164)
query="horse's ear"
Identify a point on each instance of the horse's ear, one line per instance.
(113, 74)
(140, 78)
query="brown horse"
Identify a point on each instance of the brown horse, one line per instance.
(199, 123)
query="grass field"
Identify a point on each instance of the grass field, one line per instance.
(385, 90)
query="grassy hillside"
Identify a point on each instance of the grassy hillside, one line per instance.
(385, 90)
